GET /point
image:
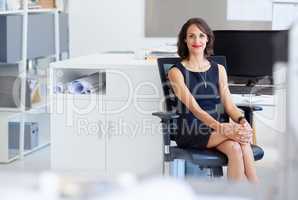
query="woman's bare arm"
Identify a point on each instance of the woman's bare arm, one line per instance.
(225, 95)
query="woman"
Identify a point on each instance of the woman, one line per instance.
(196, 81)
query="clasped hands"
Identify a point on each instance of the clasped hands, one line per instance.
(241, 133)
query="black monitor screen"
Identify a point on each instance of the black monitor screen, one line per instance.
(249, 53)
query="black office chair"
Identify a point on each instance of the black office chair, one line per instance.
(209, 158)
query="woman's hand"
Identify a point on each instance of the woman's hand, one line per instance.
(244, 123)
(242, 136)
(239, 133)
(227, 129)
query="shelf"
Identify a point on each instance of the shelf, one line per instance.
(43, 10)
(10, 160)
(86, 97)
(15, 152)
(12, 12)
(21, 12)
(11, 63)
(285, 1)
(27, 152)
(10, 109)
(40, 109)
(36, 109)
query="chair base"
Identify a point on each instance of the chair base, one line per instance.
(180, 169)
(216, 171)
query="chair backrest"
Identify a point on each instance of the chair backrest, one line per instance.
(164, 64)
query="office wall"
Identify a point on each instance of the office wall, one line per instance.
(249, 10)
(164, 18)
(105, 25)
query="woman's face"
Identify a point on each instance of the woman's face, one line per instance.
(196, 40)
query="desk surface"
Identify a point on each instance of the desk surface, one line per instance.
(98, 61)
(247, 99)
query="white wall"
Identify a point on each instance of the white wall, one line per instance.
(256, 10)
(290, 15)
(105, 25)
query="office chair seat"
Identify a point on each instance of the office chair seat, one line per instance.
(208, 158)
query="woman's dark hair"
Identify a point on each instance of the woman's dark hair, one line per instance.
(203, 26)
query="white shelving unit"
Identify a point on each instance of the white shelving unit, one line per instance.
(38, 113)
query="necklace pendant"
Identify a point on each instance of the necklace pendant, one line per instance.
(205, 84)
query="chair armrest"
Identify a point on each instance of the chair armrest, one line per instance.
(166, 119)
(248, 111)
(250, 108)
(165, 116)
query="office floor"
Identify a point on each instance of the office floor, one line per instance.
(40, 161)
(35, 162)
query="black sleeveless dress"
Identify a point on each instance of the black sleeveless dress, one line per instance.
(204, 86)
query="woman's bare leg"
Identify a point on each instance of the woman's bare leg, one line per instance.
(235, 164)
(249, 168)
(216, 139)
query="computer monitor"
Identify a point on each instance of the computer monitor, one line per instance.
(250, 54)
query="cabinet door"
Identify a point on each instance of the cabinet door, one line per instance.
(270, 130)
(270, 125)
(134, 142)
(78, 134)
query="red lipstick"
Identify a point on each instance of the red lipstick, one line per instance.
(196, 45)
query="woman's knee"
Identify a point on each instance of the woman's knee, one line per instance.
(246, 148)
(235, 150)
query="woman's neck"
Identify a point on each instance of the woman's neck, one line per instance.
(197, 62)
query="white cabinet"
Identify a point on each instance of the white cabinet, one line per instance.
(135, 83)
(111, 131)
(269, 125)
